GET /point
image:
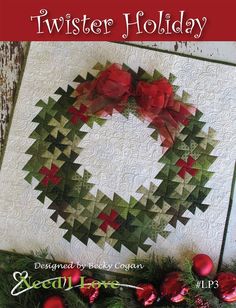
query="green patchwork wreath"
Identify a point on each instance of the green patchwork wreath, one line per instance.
(186, 157)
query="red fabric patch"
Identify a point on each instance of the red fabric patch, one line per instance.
(186, 167)
(77, 114)
(109, 220)
(50, 175)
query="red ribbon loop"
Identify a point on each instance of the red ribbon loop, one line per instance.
(155, 100)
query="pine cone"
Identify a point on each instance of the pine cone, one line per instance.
(200, 303)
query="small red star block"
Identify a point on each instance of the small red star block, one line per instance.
(109, 220)
(186, 167)
(50, 175)
(77, 114)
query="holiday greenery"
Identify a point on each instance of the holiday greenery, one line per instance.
(160, 283)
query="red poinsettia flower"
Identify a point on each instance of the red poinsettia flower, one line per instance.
(154, 96)
(113, 83)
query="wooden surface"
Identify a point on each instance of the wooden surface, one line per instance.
(11, 60)
(220, 51)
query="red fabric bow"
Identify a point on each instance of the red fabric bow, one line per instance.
(109, 90)
(156, 103)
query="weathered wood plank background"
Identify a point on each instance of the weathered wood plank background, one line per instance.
(220, 51)
(11, 61)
